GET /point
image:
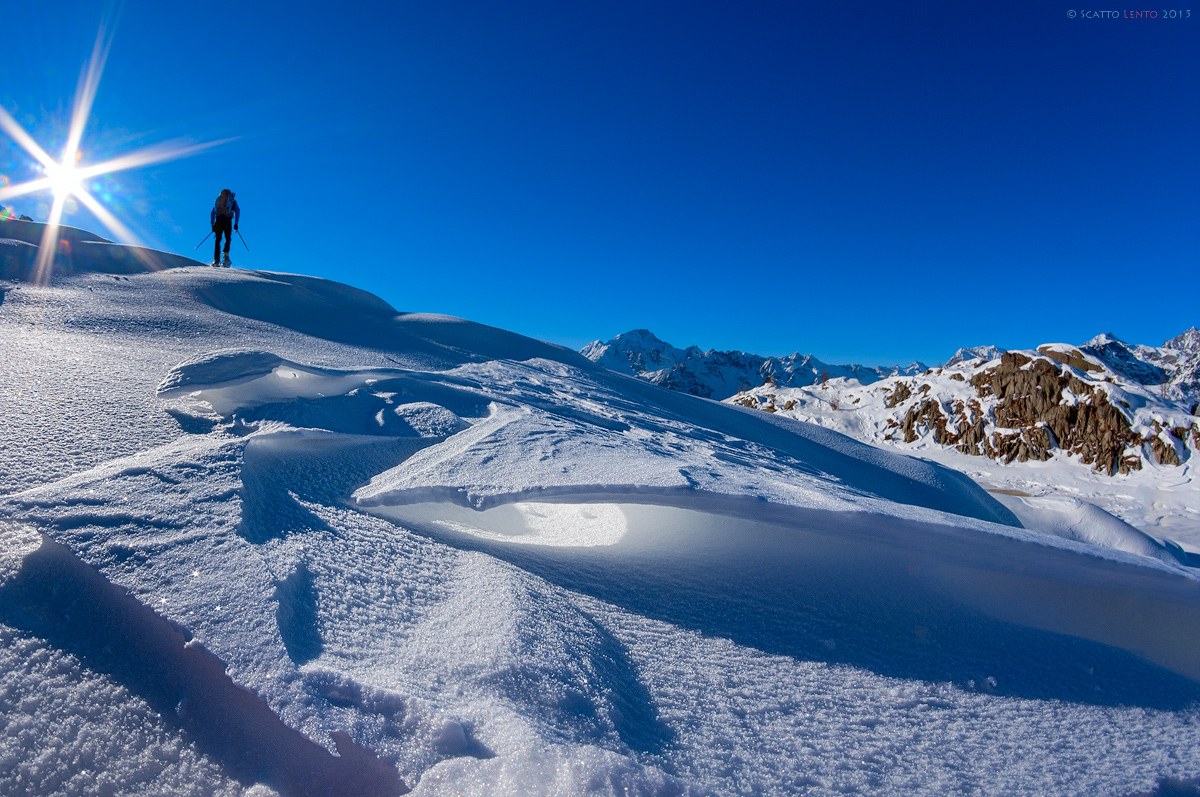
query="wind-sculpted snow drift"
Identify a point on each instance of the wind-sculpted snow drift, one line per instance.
(322, 547)
(56, 596)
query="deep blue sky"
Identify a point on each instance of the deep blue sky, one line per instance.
(865, 181)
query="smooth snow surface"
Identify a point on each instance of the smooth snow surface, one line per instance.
(263, 534)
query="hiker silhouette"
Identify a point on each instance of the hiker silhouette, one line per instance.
(224, 218)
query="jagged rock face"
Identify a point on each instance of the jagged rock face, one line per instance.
(1071, 357)
(1037, 406)
(900, 394)
(1030, 398)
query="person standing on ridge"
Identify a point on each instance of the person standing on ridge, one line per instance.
(224, 218)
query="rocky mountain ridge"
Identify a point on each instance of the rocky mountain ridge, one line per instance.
(1109, 405)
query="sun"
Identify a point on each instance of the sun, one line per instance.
(66, 179)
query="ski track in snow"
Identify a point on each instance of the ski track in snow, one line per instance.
(508, 573)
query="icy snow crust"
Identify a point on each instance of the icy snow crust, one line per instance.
(403, 551)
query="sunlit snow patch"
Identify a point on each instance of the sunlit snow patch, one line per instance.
(527, 523)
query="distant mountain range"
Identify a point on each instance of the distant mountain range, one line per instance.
(721, 374)
(1108, 404)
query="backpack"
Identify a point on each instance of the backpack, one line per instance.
(224, 205)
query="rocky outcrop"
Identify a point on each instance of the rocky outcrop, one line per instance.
(1038, 407)
(1071, 357)
(1112, 406)
(898, 395)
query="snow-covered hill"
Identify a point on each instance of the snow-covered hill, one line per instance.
(263, 533)
(720, 374)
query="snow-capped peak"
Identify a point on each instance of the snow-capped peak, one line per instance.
(1104, 339)
(1187, 341)
(635, 352)
(985, 353)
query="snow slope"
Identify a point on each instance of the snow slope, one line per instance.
(262, 533)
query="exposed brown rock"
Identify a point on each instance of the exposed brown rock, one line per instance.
(1073, 358)
(1014, 359)
(1164, 453)
(927, 414)
(899, 394)
(1029, 398)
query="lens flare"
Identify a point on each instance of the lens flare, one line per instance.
(66, 179)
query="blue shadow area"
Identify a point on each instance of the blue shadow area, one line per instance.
(881, 604)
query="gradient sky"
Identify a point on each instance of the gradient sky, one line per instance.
(869, 182)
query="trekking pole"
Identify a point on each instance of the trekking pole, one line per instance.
(239, 232)
(202, 242)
